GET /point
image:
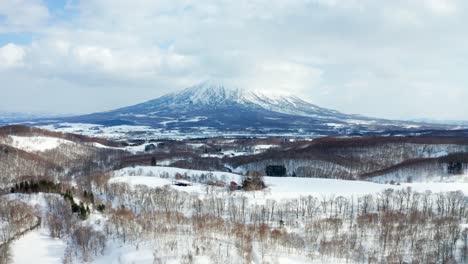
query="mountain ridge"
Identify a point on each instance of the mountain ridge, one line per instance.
(214, 94)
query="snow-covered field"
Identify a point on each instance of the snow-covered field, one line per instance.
(95, 130)
(145, 255)
(132, 149)
(170, 172)
(35, 143)
(421, 177)
(142, 180)
(37, 247)
(124, 132)
(278, 188)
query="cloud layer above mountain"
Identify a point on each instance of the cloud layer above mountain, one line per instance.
(392, 59)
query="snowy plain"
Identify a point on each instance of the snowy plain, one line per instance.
(277, 187)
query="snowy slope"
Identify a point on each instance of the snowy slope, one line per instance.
(37, 247)
(35, 143)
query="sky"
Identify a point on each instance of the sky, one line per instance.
(398, 59)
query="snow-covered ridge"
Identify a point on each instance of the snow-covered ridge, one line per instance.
(35, 143)
(214, 93)
(209, 93)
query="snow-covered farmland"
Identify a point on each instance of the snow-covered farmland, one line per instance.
(170, 172)
(278, 188)
(95, 130)
(132, 149)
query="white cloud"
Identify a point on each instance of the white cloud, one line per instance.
(23, 15)
(441, 7)
(359, 56)
(282, 76)
(11, 56)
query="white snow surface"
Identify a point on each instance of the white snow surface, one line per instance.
(142, 180)
(161, 171)
(36, 143)
(37, 247)
(278, 188)
(214, 91)
(133, 149)
(95, 130)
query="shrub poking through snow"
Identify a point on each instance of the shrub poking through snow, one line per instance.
(253, 181)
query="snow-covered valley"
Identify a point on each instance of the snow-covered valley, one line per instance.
(233, 132)
(76, 199)
(281, 191)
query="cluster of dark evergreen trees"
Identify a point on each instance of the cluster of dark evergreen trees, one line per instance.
(455, 168)
(35, 187)
(50, 187)
(81, 209)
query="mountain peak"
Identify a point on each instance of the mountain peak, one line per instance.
(215, 106)
(221, 87)
(210, 92)
(217, 93)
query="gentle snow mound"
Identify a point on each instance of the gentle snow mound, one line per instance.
(37, 143)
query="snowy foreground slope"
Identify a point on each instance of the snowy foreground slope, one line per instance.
(304, 220)
(64, 199)
(38, 247)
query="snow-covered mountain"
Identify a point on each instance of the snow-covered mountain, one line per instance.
(216, 95)
(212, 107)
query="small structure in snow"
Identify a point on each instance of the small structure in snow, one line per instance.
(234, 186)
(182, 183)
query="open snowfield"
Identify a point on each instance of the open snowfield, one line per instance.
(145, 255)
(291, 187)
(117, 132)
(149, 181)
(114, 132)
(423, 177)
(123, 132)
(132, 149)
(36, 143)
(160, 171)
(277, 187)
(37, 247)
